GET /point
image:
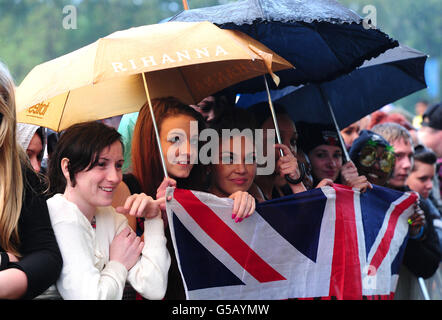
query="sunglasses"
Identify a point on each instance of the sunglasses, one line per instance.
(369, 155)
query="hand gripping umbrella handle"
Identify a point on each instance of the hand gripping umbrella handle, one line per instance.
(278, 137)
(301, 176)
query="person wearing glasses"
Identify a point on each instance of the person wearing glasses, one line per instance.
(320, 142)
(373, 156)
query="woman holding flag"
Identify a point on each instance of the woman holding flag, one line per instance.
(174, 124)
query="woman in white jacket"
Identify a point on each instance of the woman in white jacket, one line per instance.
(100, 251)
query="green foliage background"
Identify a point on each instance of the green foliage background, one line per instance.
(31, 31)
(417, 24)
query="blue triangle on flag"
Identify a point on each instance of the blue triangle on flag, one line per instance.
(297, 218)
(378, 200)
(193, 255)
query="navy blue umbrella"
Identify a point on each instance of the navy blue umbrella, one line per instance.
(393, 75)
(321, 38)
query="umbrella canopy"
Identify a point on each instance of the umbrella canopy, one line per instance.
(393, 75)
(186, 60)
(322, 38)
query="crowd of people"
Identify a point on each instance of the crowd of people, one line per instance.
(82, 212)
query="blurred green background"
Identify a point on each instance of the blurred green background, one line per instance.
(34, 31)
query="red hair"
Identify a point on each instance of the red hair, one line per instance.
(378, 117)
(146, 161)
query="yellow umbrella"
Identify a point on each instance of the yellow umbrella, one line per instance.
(113, 75)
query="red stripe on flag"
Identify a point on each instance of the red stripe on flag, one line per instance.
(226, 238)
(346, 267)
(338, 262)
(384, 245)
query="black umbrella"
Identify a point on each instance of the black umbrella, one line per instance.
(321, 38)
(393, 75)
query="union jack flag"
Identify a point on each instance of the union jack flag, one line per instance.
(327, 243)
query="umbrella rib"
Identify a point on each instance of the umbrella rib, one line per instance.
(322, 38)
(406, 71)
(187, 86)
(64, 108)
(358, 62)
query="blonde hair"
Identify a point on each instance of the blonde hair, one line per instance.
(11, 176)
(392, 132)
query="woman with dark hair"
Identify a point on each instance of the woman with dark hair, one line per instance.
(30, 259)
(421, 181)
(100, 251)
(423, 171)
(233, 172)
(275, 185)
(322, 146)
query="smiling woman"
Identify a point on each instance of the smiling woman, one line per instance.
(100, 251)
(173, 119)
(233, 173)
(321, 144)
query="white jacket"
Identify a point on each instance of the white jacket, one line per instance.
(87, 272)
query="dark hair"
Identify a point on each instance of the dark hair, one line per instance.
(312, 135)
(236, 118)
(40, 134)
(262, 111)
(52, 139)
(425, 155)
(82, 144)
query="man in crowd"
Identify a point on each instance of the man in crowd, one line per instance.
(421, 181)
(422, 254)
(430, 135)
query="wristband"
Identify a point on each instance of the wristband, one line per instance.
(301, 176)
(4, 260)
(419, 235)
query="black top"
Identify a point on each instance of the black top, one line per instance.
(422, 256)
(41, 260)
(175, 287)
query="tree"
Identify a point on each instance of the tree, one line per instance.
(32, 32)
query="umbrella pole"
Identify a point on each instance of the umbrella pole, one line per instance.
(278, 137)
(185, 5)
(157, 135)
(341, 140)
(272, 110)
